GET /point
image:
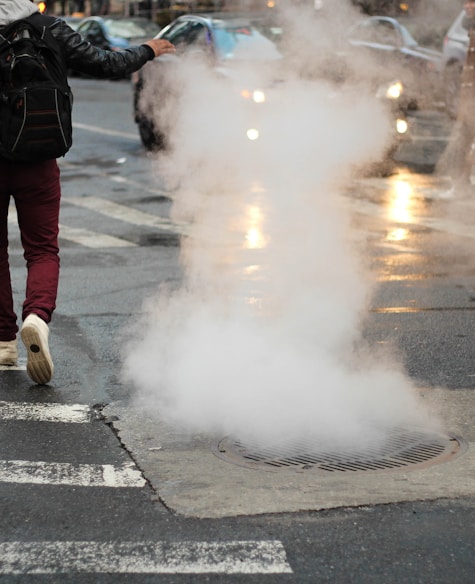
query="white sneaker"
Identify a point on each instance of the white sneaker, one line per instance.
(34, 334)
(8, 352)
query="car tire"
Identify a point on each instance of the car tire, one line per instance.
(452, 75)
(151, 139)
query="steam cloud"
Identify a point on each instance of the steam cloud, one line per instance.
(263, 338)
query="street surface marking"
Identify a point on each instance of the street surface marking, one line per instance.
(91, 238)
(62, 473)
(83, 237)
(125, 213)
(105, 132)
(70, 414)
(143, 557)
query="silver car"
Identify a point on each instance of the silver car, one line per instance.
(227, 43)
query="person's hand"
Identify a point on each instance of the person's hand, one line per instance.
(160, 46)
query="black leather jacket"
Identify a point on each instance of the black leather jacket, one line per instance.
(81, 56)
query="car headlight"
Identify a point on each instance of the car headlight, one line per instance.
(257, 95)
(401, 126)
(393, 90)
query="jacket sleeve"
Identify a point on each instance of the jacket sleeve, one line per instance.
(81, 56)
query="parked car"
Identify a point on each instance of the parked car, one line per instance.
(116, 33)
(395, 53)
(454, 53)
(226, 42)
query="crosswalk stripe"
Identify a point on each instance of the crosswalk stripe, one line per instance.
(62, 473)
(92, 239)
(126, 214)
(45, 412)
(143, 557)
(105, 131)
(83, 237)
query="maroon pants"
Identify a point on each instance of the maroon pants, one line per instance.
(36, 190)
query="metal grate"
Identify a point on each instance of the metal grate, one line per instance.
(401, 448)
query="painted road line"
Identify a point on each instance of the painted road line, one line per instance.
(105, 132)
(83, 237)
(62, 473)
(31, 412)
(125, 213)
(143, 557)
(92, 239)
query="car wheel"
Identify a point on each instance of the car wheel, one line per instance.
(151, 139)
(452, 75)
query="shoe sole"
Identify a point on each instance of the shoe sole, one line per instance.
(39, 364)
(9, 363)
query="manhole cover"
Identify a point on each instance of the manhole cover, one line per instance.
(400, 449)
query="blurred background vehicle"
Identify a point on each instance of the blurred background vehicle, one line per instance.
(454, 53)
(394, 52)
(226, 41)
(115, 33)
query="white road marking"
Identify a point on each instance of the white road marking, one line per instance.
(105, 132)
(83, 237)
(92, 239)
(125, 213)
(70, 414)
(143, 557)
(62, 473)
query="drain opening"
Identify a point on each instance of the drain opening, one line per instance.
(402, 448)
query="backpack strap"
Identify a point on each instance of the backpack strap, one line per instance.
(42, 23)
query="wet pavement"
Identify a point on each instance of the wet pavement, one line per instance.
(104, 482)
(414, 235)
(192, 481)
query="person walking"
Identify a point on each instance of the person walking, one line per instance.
(457, 160)
(36, 190)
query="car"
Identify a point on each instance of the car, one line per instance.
(454, 53)
(395, 53)
(225, 42)
(115, 33)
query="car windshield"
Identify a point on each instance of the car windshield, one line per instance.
(129, 29)
(243, 42)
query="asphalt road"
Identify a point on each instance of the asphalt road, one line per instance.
(80, 498)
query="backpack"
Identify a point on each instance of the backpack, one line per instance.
(35, 98)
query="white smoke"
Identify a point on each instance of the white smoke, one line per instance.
(263, 338)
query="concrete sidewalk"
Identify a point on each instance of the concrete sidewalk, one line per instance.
(193, 482)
